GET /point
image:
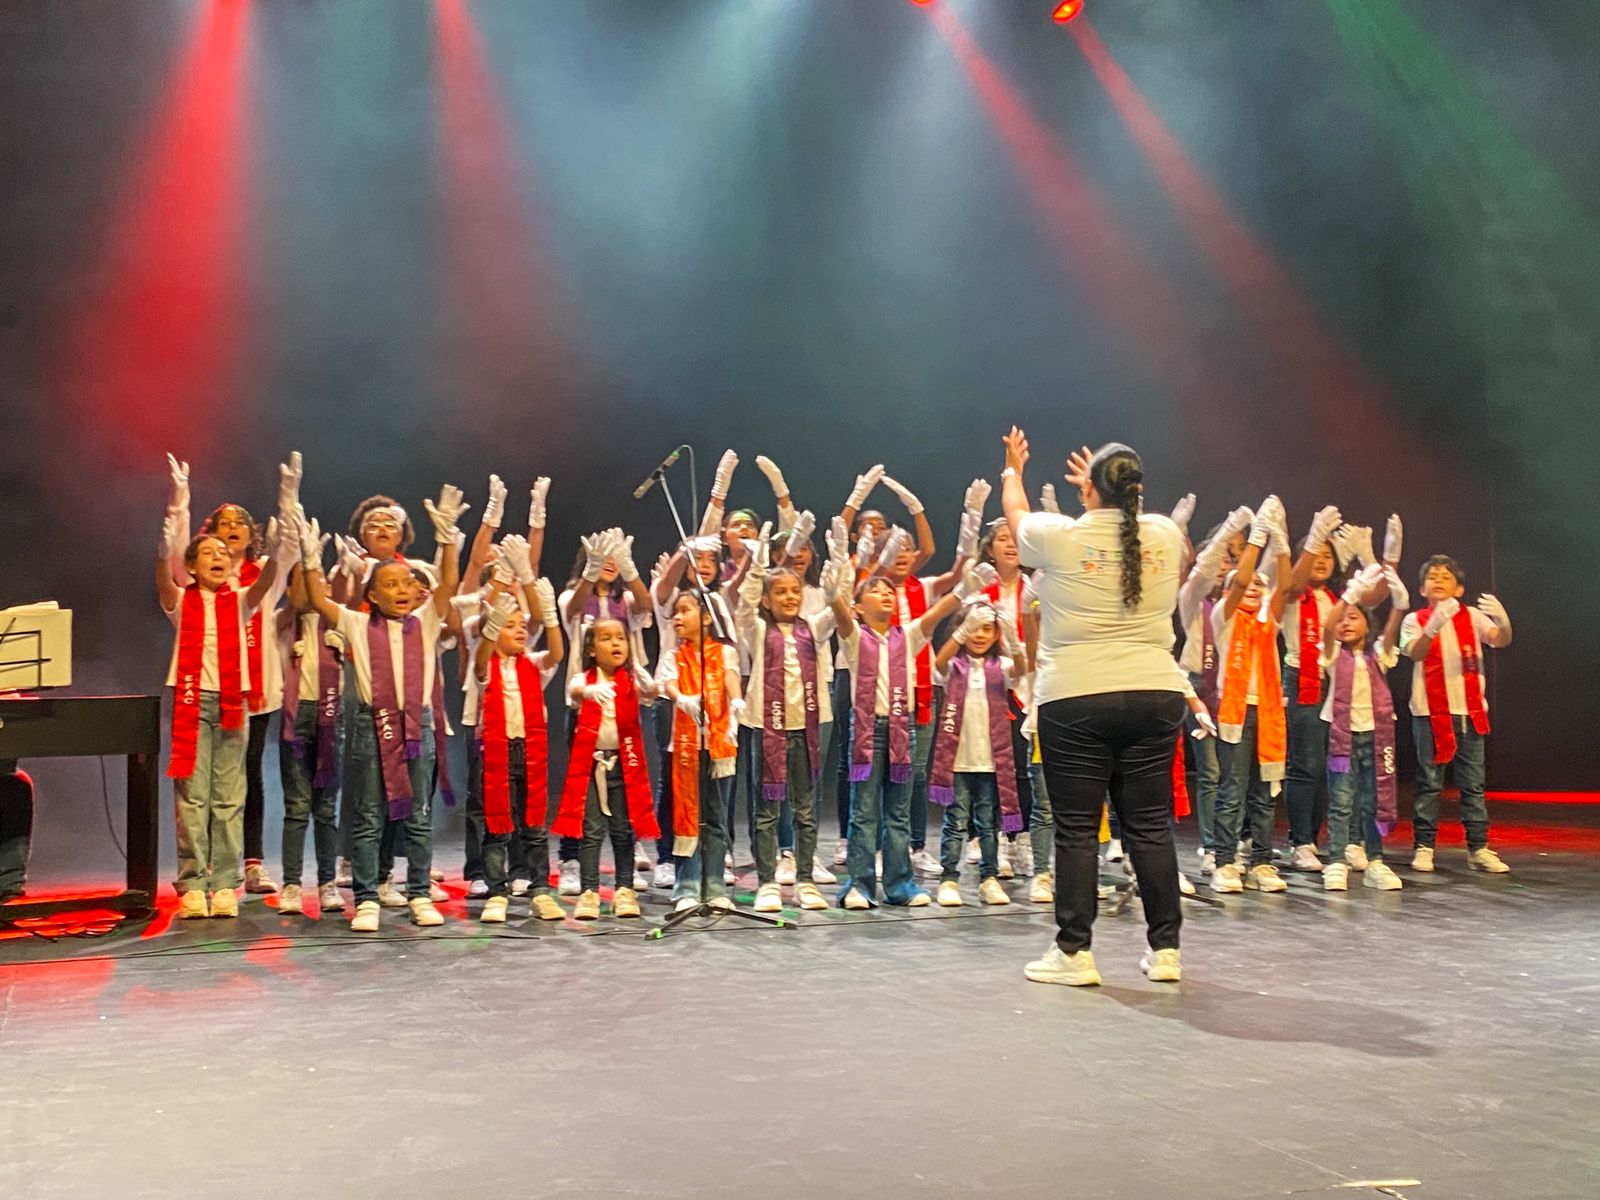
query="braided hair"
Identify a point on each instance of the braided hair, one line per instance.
(1117, 473)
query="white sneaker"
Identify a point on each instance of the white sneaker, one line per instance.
(1265, 878)
(768, 899)
(641, 860)
(570, 886)
(436, 893)
(1043, 890)
(257, 881)
(1161, 966)
(1336, 877)
(1305, 858)
(1022, 855)
(477, 890)
(390, 896)
(925, 864)
(785, 874)
(424, 913)
(1208, 862)
(641, 878)
(435, 874)
(494, 911)
(950, 894)
(685, 904)
(1072, 970)
(366, 918)
(1355, 857)
(820, 873)
(1114, 850)
(666, 874)
(1004, 850)
(519, 887)
(809, 897)
(723, 902)
(342, 877)
(329, 899)
(990, 892)
(974, 853)
(841, 852)
(1422, 860)
(729, 878)
(1185, 885)
(1225, 880)
(1487, 860)
(856, 901)
(1381, 876)
(289, 901)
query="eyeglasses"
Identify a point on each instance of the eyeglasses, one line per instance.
(388, 523)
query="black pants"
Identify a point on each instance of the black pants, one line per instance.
(597, 825)
(255, 797)
(1119, 742)
(16, 829)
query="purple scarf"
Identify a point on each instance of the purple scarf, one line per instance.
(1344, 673)
(1209, 693)
(615, 606)
(329, 671)
(947, 738)
(774, 693)
(864, 742)
(399, 728)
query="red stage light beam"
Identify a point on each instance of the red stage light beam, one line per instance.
(1067, 11)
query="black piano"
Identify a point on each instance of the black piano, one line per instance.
(89, 726)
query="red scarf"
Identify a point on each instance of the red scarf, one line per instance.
(1444, 726)
(630, 751)
(993, 592)
(1310, 647)
(497, 815)
(1180, 781)
(191, 658)
(249, 572)
(917, 606)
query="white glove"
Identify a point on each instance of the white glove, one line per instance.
(737, 708)
(1491, 607)
(1394, 534)
(894, 545)
(312, 543)
(600, 693)
(1322, 527)
(594, 550)
(834, 575)
(289, 476)
(622, 555)
(1207, 727)
(907, 496)
(1353, 543)
(536, 499)
(800, 535)
(976, 580)
(1009, 642)
(977, 496)
(1183, 513)
(975, 619)
(171, 535)
(518, 556)
(864, 550)
(177, 485)
(967, 539)
(445, 513)
(282, 539)
(863, 488)
(1265, 521)
(494, 507)
(1358, 587)
(1280, 542)
(1047, 499)
(1443, 613)
(689, 706)
(1238, 520)
(724, 475)
(504, 605)
(504, 573)
(767, 467)
(352, 558)
(545, 592)
(1398, 596)
(837, 541)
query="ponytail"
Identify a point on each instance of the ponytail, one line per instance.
(1118, 475)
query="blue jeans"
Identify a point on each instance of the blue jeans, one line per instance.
(1242, 798)
(800, 804)
(699, 875)
(364, 790)
(1305, 779)
(1042, 825)
(749, 773)
(1467, 766)
(836, 763)
(1208, 774)
(921, 764)
(880, 818)
(977, 802)
(303, 803)
(1353, 801)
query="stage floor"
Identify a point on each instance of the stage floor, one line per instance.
(1319, 1045)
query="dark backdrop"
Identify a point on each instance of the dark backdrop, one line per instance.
(1343, 250)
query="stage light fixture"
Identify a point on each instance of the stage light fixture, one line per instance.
(1066, 11)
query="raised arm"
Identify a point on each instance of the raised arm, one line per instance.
(311, 571)
(538, 494)
(711, 523)
(1322, 527)
(1207, 569)
(167, 589)
(541, 599)
(1013, 497)
(501, 607)
(864, 484)
(787, 516)
(919, 518)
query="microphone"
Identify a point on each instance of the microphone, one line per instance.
(650, 479)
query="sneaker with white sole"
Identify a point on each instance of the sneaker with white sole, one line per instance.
(974, 854)
(289, 900)
(544, 907)
(725, 903)
(729, 878)
(1003, 851)
(925, 864)
(366, 917)
(519, 887)
(494, 910)
(918, 899)
(684, 904)
(193, 905)
(841, 852)
(570, 885)
(990, 892)
(1114, 850)
(1422, 860)
(1381, 876)
(950, 894)
(820, 873)
(436, 893)
(1336, 877)
(424, 913)
(1185, 885)
(256, 879)
(342, 877)
(1022, 855)
(624, 903)
(1355, 857)
(1305, 858)
(1161, 966)
(1071, 970)
(856, 901)
(588, 907)
(665, 876)
(809, 897)
(1225, 880)
(477, 889)
(641, 860)
(1208, 862)
(435, 874)
(1043, 889)
(224, 903)
(1487, 860)
(1265, 878)
(768, 898)
(329, 898)
(390, 896)
(785, 874)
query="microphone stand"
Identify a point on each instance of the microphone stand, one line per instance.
(710, 615)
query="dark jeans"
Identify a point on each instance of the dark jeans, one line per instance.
(304, 803)
(880, 817)
(976, 806)
(1207, 775)
(699, 875)
(472, 813)
(748, 772)
(364, 791)
(1242, 799)
(662, 716)
(800, 804)
(595, 827)
(1305, 780)
(568, 847)
(16, 828)
(1121, 743)
(255, 798)
(1467, 766)
(922, 763)
(527, 849)
(1353, 802)
(836, 763)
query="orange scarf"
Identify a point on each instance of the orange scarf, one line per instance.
(686, 739)
(1253, 648)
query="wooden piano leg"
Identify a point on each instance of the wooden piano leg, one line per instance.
(144, 824)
